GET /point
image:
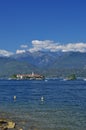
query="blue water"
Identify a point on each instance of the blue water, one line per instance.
(63, 106)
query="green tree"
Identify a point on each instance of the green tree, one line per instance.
(72, 77)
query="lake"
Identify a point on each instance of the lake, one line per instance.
(52, 104)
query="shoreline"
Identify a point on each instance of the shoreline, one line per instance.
(10, 121)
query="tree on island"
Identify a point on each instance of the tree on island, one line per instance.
(72, 77)
(14, 76)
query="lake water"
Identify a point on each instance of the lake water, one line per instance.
(63, 106)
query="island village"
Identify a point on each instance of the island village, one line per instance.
(30, 76)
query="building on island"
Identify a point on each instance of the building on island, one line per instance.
(29, 76)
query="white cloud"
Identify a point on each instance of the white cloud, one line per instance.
(48, 45)
(52, 46)
(24, 46)
(5, 53)
(20, 51)
(81, 47)
(42, 45)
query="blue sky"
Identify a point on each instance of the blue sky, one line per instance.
(24, 21)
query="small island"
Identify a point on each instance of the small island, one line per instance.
(32, 76)
(71, 77)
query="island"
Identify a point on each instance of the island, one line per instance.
(31, 76)
(71, 77)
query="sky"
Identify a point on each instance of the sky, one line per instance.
(42, 24)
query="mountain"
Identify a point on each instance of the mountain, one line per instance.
(40, 59)
(46, 63)
(10, 66)
(69, 62)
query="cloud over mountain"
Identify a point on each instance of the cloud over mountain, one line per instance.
(47, 45)
(5, 53)
(42, 45)
(81, 47)
(23, 49)
(20, 51)
(52, 46)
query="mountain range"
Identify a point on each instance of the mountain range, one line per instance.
(51, 64)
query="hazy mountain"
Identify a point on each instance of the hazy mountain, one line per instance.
(47, 63)
(69, 62)
(10, 66)
(40, 59)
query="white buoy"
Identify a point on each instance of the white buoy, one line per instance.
(42, 98)
(14, 97)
